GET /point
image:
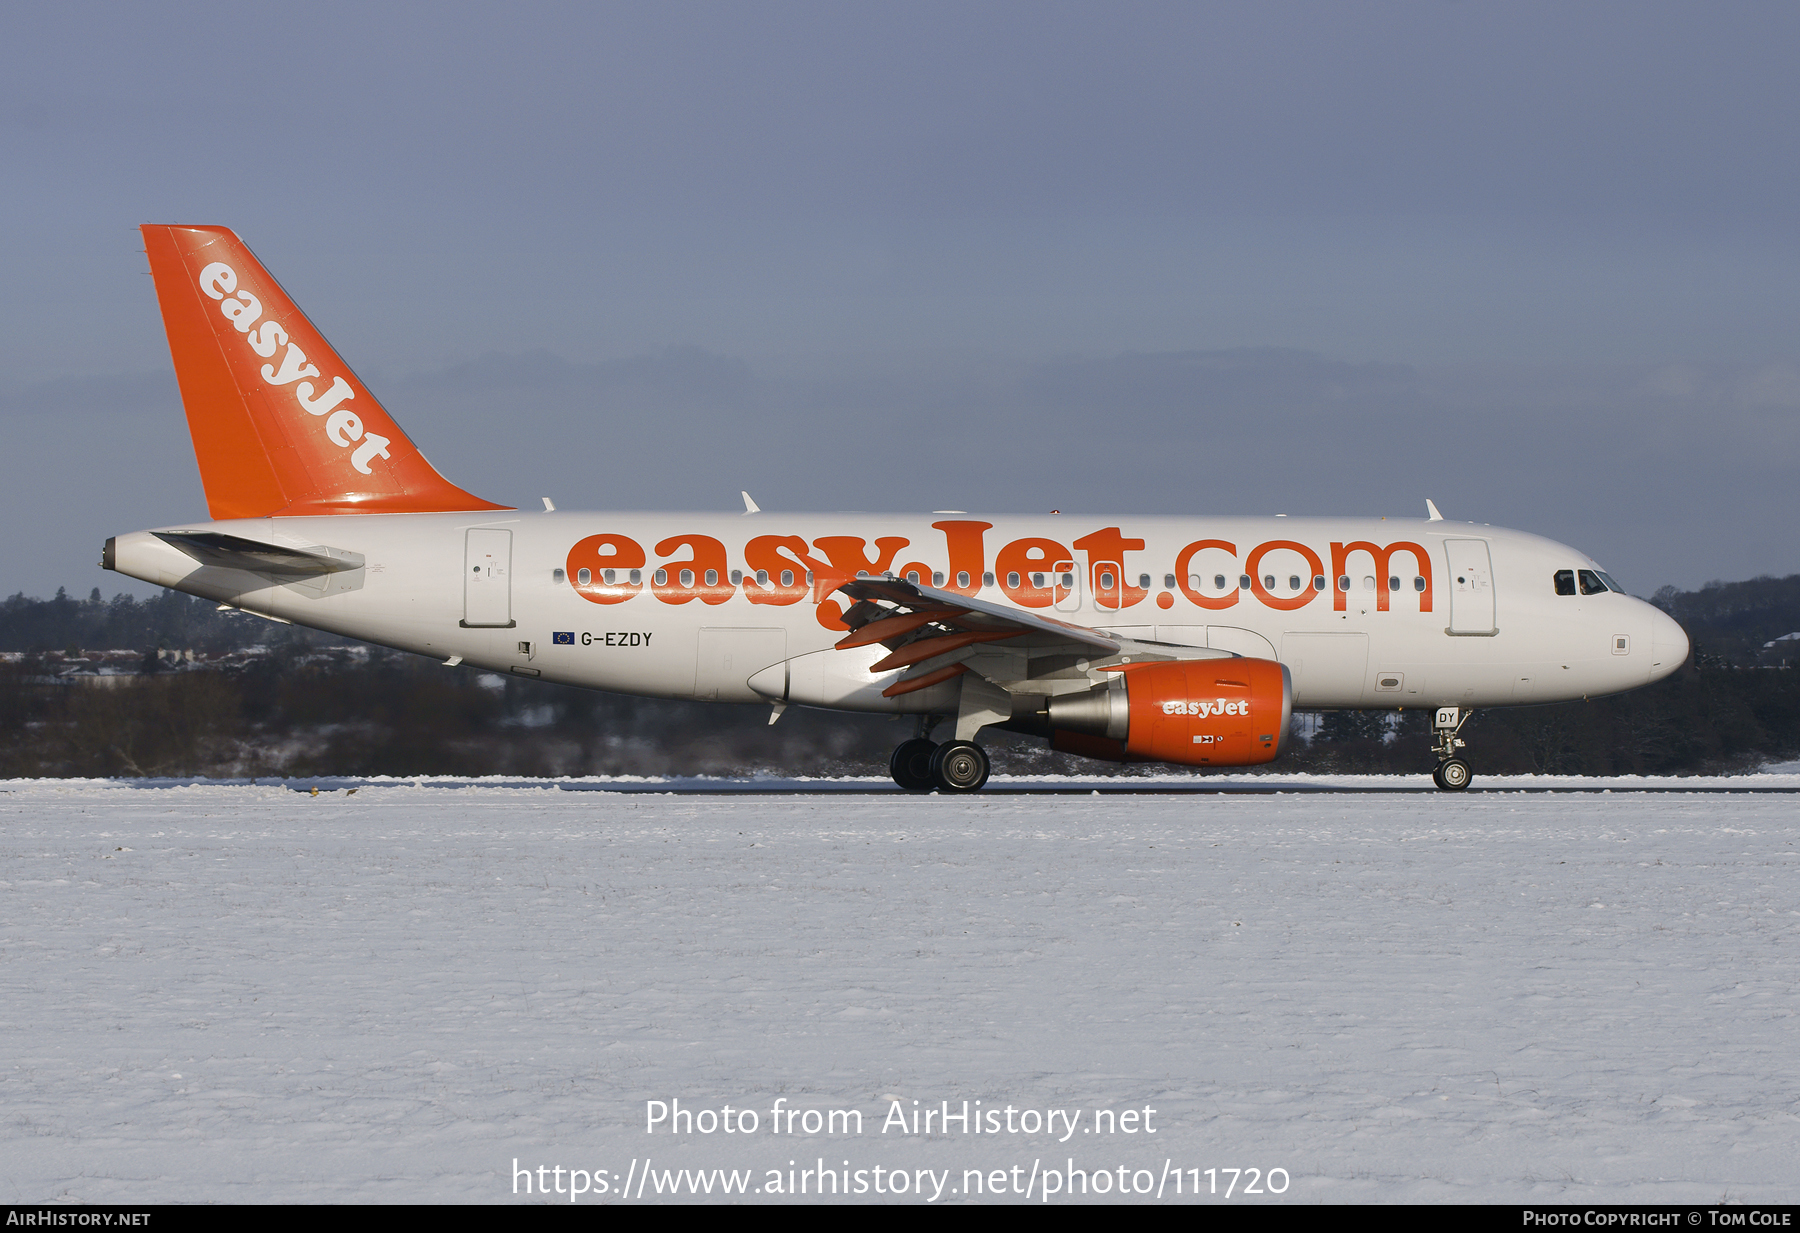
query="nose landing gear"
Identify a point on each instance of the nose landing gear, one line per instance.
(1452, 773)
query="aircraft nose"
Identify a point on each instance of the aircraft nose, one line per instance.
(1668, 645)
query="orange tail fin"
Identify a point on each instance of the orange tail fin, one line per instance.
(280, 423)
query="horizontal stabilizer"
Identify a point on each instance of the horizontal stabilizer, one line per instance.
(235, 552)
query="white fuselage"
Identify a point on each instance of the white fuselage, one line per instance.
(1476, 623)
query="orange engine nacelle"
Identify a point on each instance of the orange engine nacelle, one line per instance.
(1197, 712)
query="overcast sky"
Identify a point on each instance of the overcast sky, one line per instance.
(1538, 262)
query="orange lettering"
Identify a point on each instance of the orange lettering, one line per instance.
(709, 554)
(1254, 563)
(1108, 548)
(845, 552)
(1181, 574)
(1024, 557)
(967, 556)
(763, 556)
(595, 555)
(1340, 557)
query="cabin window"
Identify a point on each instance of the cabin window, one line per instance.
(1169, 582)
(987, 579)
(1037, 580)
(762, 577)
(584, 576)
(1565, 582)
(737, 576)
(1068, 582)
(1418, 584)
(637, 577)
(1343, 582)
(1393, 583)
(556, 575)
(1106, 580)
(661, 577)
(787, 577)
(687, 577)
(1243, 582)
(608, 576)
(1368, 582)
(1218, 582)
(712, 577)
(1590, 582)
(937, 578)
(1268, 582)
(1318, 582)
(1293, 582)
(962, 578)
(862, 573)
(809, 580)
(1144, 581)
(1012, 580)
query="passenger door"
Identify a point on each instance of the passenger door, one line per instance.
(487, 579)
(1471, 587)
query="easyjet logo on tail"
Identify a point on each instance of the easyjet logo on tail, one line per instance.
(342, 426)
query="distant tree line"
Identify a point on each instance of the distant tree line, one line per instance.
(297, 711)
(170, 621)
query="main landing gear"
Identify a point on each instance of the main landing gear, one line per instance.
(1452, 773)
(923, 765)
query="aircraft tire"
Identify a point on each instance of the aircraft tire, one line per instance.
(1452, 775)
(959, 766)
(910, 764)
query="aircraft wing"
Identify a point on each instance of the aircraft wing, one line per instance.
(918, 624)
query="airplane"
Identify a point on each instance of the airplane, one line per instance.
(1185, 640)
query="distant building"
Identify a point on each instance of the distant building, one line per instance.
(1781, 652)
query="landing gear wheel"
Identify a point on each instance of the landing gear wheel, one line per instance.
(959, 766)
(911, 764)
(1452, 775)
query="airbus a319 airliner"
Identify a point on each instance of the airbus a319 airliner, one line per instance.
(1180, 640)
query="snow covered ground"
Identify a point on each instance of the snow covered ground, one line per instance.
(248, 993)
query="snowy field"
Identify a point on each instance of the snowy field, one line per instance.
(252, 994)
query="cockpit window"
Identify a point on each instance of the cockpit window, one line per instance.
(1612, 584)
(1565, 582)
(1590, 582)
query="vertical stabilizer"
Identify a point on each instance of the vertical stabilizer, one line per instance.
(280, 423)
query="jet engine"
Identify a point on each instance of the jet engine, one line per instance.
(1199, 712)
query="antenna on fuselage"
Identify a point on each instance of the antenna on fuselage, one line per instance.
(1431, 512)
(750, 507)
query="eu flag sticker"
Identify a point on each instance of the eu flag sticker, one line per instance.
(563, 637)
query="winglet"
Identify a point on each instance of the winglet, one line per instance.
(281, 425)
(1432, 514)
